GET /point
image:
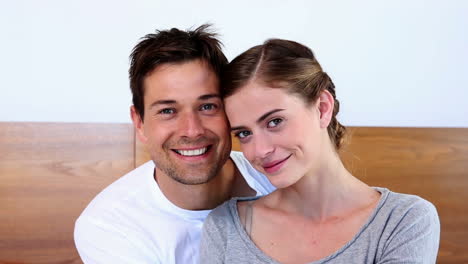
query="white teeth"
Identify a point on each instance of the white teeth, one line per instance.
(192, 152)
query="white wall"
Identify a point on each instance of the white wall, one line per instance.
(395, 63)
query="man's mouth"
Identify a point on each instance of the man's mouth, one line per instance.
(192, 152)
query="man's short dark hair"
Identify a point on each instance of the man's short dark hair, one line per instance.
(172, 46)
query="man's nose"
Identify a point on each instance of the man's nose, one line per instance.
(191, 125)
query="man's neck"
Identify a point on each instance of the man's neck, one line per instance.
(228, 183)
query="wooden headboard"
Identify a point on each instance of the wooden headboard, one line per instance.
(50, 171)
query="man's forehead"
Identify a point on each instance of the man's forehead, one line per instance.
(168, 67)
(185, 83)
(180, 95)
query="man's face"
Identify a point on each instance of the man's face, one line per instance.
(184, 126)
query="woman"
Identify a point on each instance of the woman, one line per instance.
(282, 107)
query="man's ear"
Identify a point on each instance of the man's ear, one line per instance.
(138, 124)
(325, 104)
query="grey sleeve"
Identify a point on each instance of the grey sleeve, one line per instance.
(214, 238)
(415, 239)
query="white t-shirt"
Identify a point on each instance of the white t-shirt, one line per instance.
(131, 221)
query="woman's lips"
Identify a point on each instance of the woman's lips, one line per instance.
(274, 166)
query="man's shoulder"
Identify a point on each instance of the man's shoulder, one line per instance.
(131, 217)
(239, 158)
(127, 222)
(244, 166)
(254, 178)
(122, 192)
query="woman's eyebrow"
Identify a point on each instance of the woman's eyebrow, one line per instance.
(264, 116)
(259, 120)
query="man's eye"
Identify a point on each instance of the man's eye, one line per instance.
(274, 122)
(207, 107)
(243, 134)
(166, 111)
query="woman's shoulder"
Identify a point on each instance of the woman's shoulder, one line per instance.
(406, 208)
(221, 212)
(406, 226)
(406, 202)
(226, 212)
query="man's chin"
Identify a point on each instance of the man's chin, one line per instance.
(190, 172)
(190, 179)
(191, 175)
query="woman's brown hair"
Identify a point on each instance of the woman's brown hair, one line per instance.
(284, 64)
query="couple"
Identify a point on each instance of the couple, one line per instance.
(282, 107)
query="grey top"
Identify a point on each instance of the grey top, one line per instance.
(402, 228)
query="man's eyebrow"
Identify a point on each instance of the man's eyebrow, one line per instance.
(202, 97)
(259, 120)
(209, 96)
(162, 102)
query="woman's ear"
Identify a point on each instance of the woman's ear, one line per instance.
(138, 124)
(325, 104)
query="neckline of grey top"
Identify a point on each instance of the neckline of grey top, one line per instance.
(246, 237)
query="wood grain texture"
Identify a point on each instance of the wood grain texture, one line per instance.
(429, 162)
(49, 172)
(141, 153)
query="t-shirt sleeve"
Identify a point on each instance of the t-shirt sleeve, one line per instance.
(254, 178)
(415, 238)
(214, 238)
(99, 243)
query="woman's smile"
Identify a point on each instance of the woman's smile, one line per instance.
(275, 166)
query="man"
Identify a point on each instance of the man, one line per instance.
(155, 213)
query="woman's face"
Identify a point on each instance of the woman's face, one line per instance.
(279, 133)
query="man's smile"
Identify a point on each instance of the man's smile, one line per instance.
(193, 152)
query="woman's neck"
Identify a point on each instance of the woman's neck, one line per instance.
(325, 192)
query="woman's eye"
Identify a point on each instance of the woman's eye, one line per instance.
(243, 134)
(274, 122)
